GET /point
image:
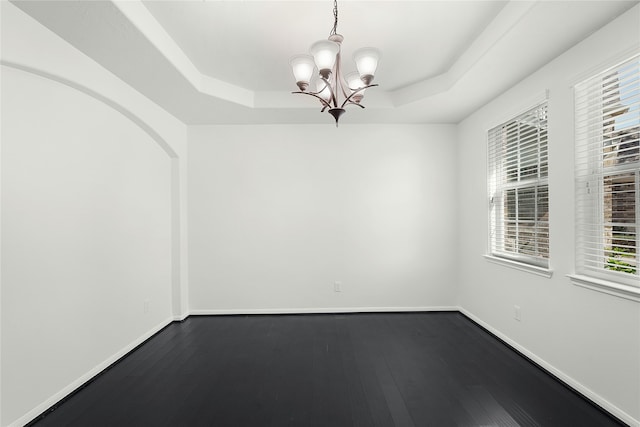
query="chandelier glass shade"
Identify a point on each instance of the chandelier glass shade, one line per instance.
(333, 89)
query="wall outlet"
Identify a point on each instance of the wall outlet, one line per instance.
(337, 286)
(517, 312)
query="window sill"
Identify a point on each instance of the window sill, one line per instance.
(534, 269)
(607, 287)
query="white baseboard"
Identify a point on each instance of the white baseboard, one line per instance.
(240, 311)
(599, 400)
(29, 416)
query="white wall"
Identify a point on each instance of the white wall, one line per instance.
(92, 218)
(589, 338)
(277, 214)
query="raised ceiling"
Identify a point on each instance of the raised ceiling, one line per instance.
(213, 62)
(255, 39)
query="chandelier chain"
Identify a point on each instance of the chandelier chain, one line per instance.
(335, 18)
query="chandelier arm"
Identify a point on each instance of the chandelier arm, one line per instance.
(315, 95)
(344, 93)
(340, 82)
(355, 103)
(333, 94)
(348, 100)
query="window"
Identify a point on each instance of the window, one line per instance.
(608, 174)
(519, 190)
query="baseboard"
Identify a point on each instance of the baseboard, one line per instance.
(241, 311)
(180, 318)
(78, 384)
(572, 383)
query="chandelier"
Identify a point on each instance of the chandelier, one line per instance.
(331, 84)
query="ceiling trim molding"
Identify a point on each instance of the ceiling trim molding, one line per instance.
(502, 24)
(144, 21)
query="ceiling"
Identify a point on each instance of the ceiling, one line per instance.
(218, 62)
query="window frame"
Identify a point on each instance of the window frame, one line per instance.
(591, 191)
(499, 168)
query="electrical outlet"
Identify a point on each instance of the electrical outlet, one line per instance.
(337, 286)
(517, 313)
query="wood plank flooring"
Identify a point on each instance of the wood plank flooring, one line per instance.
(395, 369)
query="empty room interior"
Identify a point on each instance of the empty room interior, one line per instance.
(320, 213)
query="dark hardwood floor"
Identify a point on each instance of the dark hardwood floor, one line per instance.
(397, 369)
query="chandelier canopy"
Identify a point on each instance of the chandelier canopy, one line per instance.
(332, 85)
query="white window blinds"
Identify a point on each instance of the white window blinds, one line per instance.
(518, 188)
(607, 173)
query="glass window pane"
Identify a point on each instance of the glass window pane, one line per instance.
(620, 233)
(511, 231)
(543, 203)
(527, 204)
(510, 212)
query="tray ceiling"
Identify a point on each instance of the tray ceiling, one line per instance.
(213, 62)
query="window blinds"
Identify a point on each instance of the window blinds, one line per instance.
(518, 188)
(607, 173)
